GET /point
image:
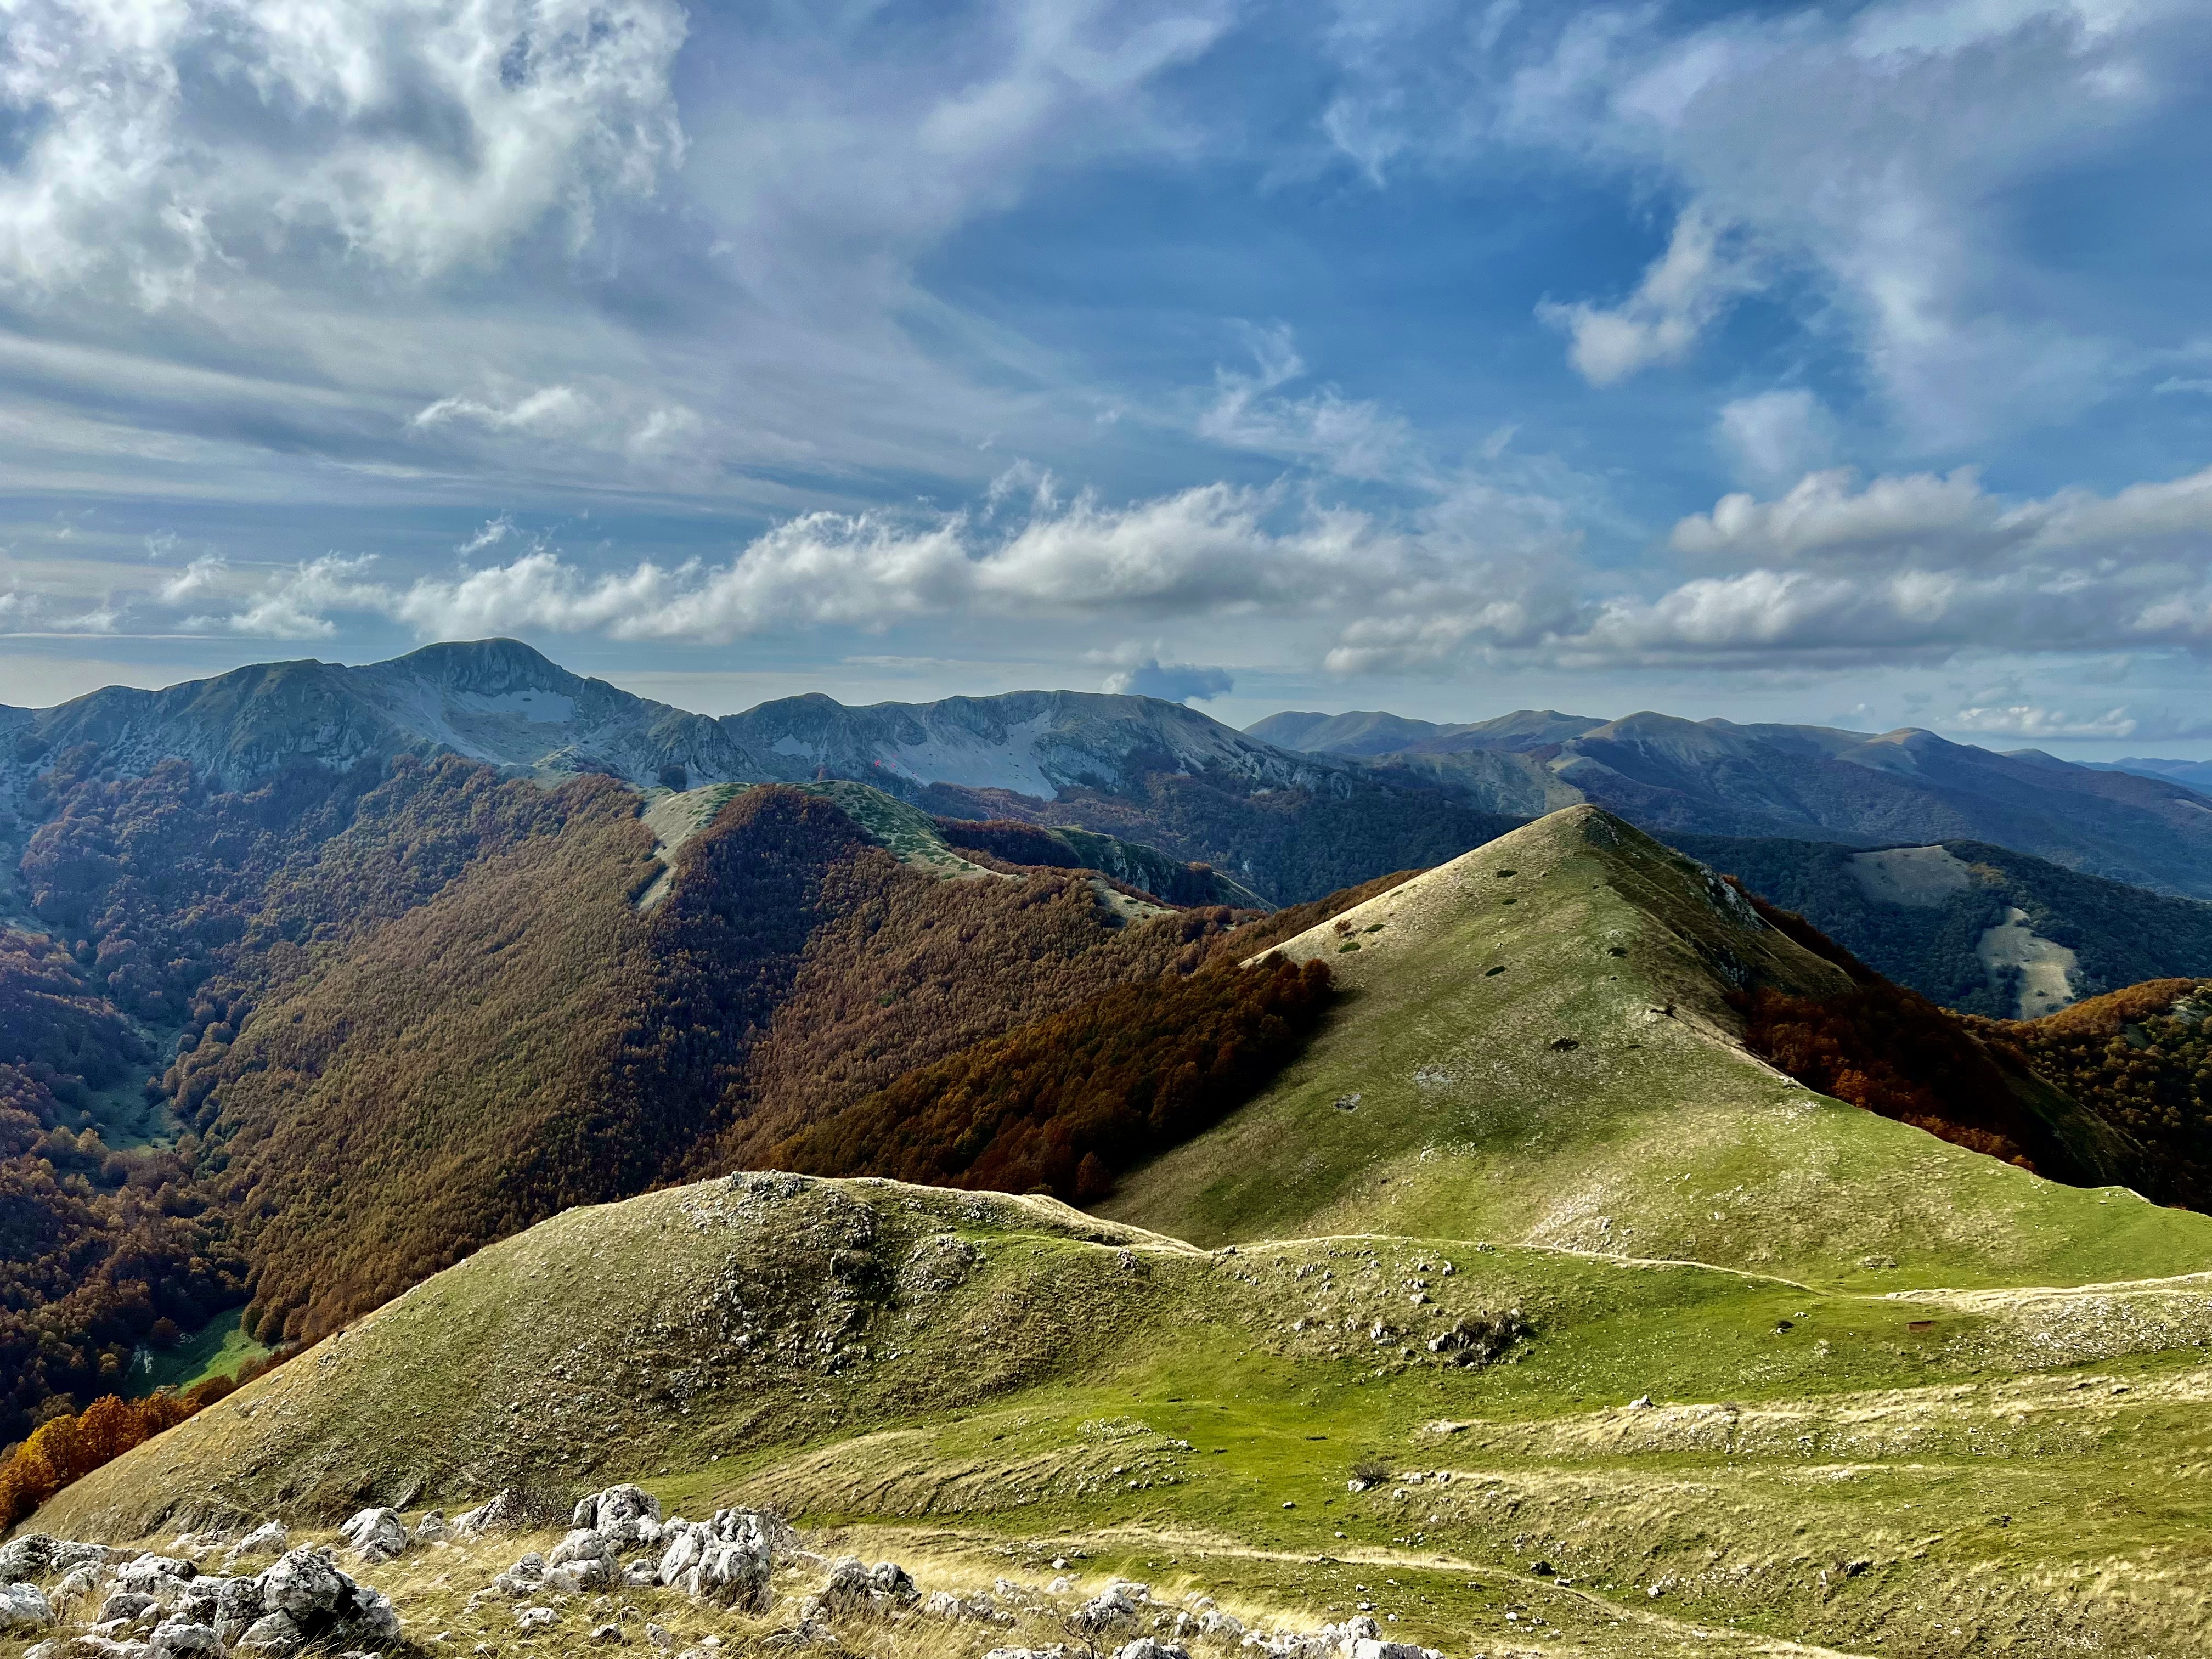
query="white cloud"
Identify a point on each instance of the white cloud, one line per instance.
(2031, 720)
(1682, 293)
(202, 575)
(1352, 438)
(549, 411)
(297, 604)
(495, 530)
(1175, 682)
(1923, 567)
(182, 137)
(1775, 436)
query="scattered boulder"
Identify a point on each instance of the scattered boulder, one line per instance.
(184, 1638)
(726, 1561)
(431, 1527)
(527, 1578)
(1114, 1608)
(534, 1617)
(1144, 1647)
(622, 1514)
(978, 1608)
(35, 1556)
(583, 1560)
(155, 1574)
(24, 1609)
(854, 1589)
(375, 1535)
(273, 1633)
(126, 1604)
(1368, 1647)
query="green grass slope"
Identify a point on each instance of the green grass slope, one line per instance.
(1535, 1046)
(1003, 1377)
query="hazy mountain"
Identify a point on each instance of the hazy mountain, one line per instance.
(1715, 777)
(500, 701)
(2197, 774)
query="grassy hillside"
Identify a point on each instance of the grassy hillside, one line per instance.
(981, 1378)
(1535, 1044)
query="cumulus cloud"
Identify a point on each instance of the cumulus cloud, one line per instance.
(1392, 593)
(161, 141)
(2031, 721)
(1923, 567)
(1175, 682)
(298, 604)
(1682, 293)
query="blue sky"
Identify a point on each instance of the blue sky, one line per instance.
(1844, 363)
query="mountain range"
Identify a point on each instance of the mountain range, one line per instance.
(1806, 782)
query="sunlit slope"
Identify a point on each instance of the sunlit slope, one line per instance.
(1535, 1046)
(1026, 1383)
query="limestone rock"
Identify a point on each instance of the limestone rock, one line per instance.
(431, 1527)
(624, 1514)
(277, 1633)
(152, 1573)
(375, 1535)
(24, 1609)
(303, 1583)
(506, 1512)
(183, 1639)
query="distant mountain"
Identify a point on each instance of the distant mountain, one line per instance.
(1290, 825)
(2197, 774)
(1716, 777)
(1976, 927)
(500, 701)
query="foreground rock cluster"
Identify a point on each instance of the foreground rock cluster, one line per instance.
(85, 1600)
(147, 1606)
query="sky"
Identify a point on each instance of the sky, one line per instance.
(1842, 363)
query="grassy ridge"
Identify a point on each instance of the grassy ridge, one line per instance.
(1649, 1133)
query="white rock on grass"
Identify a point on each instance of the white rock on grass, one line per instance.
(24, 1609)
(855, 1587)
(624, 1514)
(154, 1573)
(431, 1527)
(726, 1562)
(184, 1638)
(376, 1536)
(506, 1512)
(1145, 1648)
(583, 1560)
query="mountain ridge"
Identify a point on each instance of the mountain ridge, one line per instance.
(1717, 777)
